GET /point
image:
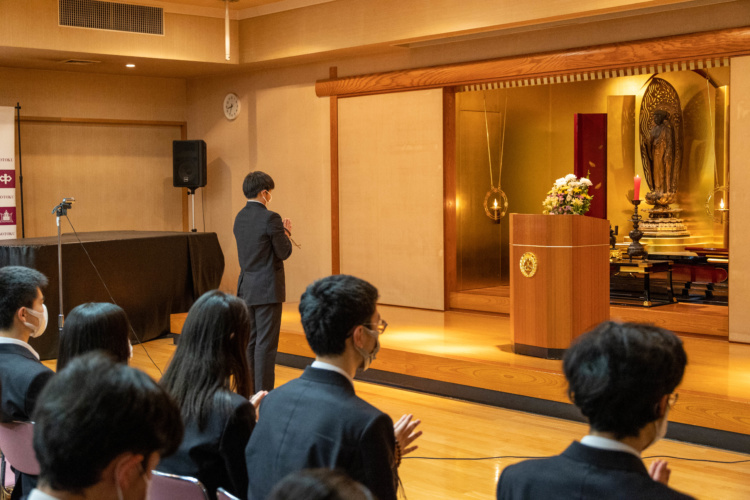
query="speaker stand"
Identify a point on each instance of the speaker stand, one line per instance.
(191, 193)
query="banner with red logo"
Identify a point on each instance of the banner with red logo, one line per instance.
(7, 173)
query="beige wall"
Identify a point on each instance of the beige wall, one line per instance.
(282, 129)
(121, 175)
(739, 239)
(391, 192)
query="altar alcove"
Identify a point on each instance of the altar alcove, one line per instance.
(529, 127)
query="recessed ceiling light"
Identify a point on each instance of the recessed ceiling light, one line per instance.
(130, 65)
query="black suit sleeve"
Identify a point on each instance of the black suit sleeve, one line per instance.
(377, 447)
(282, 246)
(35, 387)
(236, 434)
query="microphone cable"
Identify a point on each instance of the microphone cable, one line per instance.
(132, 330)
(500, 457)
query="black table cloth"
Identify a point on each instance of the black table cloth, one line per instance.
(149, 274)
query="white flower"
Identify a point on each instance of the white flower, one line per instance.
(585, 181)
(560, 181)
(570, 177)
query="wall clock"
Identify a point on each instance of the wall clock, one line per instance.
(231, 106)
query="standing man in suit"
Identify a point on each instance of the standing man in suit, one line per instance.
(262, 246)
(23, 315)
(622, 377)
(317, 421)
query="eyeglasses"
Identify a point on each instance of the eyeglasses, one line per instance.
(380, 326)
(672, 400)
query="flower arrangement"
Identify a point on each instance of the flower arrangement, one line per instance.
(569, 195)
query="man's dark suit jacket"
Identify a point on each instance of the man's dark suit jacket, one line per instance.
(317, 421)
(216, 455)
(22, 378)
(583, 472)
(262, 247)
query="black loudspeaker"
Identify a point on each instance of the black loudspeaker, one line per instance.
(189, 164)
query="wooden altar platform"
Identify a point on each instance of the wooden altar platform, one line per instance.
(468, 355)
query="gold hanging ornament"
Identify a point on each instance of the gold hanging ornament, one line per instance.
(495, 201)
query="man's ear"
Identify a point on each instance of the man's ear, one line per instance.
(21, 314)
(357, 336)
(127, 468)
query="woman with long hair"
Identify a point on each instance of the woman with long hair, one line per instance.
(210, 380)
(95, 326)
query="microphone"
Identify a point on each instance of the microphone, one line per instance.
(64, 205)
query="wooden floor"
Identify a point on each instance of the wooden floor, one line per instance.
(474, 350)
(457, 429)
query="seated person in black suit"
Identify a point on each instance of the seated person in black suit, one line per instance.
(22, 376)
(317, 421)
(622, 377)
(100, 428)
(210, 379)
(95, 326)
(319, 484)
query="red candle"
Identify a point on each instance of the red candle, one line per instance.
(636, 187)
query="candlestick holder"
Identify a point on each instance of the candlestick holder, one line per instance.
(635, 249)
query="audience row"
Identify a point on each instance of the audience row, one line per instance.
(102, 427)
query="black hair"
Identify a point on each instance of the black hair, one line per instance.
(618, 373)
(255, 182)
(94, 326)
(18, 288)
(332, 307)
(95, 410)
(210, 358)
(319, 484)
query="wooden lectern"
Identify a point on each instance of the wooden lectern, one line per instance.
(559, 280)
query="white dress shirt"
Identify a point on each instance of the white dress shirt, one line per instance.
(8, 340)
(39, 495)
(332, 368)
(608, 444)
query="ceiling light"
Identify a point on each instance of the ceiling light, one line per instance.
(130, 65)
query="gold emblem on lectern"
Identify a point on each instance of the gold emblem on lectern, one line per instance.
(528, 264)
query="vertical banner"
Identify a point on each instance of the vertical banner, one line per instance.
(7, 173)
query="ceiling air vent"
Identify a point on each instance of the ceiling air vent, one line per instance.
(114, 16)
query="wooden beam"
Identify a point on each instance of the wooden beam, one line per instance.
(335, 230)
(449, 193)
(103, 121)
(711, 44)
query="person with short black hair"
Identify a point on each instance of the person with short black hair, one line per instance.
(317, 420)
(23, 315)
(319, 484)
(95, 326)
(263, 244)
(211, 382)
(100, 428)
(622, 376)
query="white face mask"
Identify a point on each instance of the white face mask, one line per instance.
(130, 346)
(268, 200)
(37, 330)
(368, 358)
